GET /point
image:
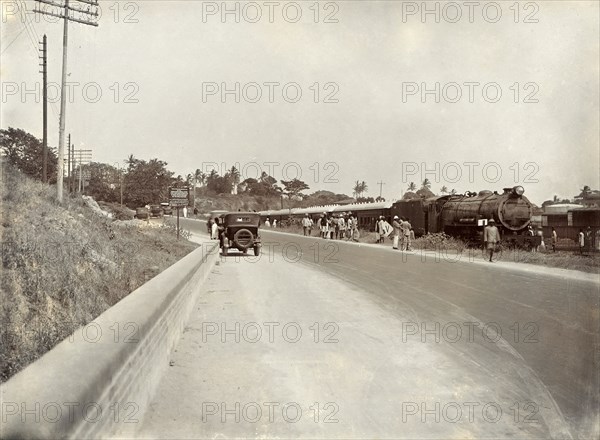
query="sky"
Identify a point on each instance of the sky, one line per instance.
(470, 97)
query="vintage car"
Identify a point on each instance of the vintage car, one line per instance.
(142, 213)
(156, 211)
(167, 210)
(240, 231)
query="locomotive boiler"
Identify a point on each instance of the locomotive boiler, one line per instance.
(511, 210)
(465, 215)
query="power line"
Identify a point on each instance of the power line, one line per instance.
(13, 40)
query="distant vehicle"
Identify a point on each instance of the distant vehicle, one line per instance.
(166, 208)
(240, 232)
(142, 213)
(156, 211)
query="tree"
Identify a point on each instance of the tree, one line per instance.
(146, 182)
(26, 153)
(233, 176)
(585, 190)
(379, 199)
(412, 187)
(444, 190)
(104, 183)
(365, 200)
(217, 184)
(426, 184)
(293, 188)
(360, 188)
(363, 187)
(356, 189)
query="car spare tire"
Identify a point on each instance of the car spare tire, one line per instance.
(243, 238)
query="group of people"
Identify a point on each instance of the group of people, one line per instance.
(585, 239)
(268, 223)
(334, 227)
(403, 233)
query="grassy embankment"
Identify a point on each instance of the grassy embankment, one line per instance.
(450, 248)
(63, 265)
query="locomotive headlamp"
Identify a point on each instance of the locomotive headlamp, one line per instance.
(518, 190)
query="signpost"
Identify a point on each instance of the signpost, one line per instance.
(179, 197)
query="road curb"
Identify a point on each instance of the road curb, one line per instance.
(98, 382)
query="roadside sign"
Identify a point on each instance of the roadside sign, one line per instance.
(179, 196)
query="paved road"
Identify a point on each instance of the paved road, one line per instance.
(416, 348)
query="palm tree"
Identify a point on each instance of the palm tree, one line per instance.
(444, 189)
(426, 184)
(363, 187)
(234, 175)
(199, 177)
(452, 191)
(356, 189)
(412, 187)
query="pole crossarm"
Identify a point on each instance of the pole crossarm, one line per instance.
(68, 8)
(63, 106)
(88, 2)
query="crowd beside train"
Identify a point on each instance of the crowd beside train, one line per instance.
(345, 226)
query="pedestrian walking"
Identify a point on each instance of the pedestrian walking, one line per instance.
(406, 243)
(397, 231)
(491, 237)
(185, 211)
(589, 238)
(324, 226)
(554, 239)
(542, 246)
(274, 223)
(581, 241)
(306, 224)
(215, 229)
(333, 230)
(342, 226)
(267, 223)
(349, 227)
(195, 212)
(355, 231)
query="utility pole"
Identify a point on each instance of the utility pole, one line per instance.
(84, 158)
(66, 17)
(69, 165)
(380, 187)
(44, 73)
(72, 170)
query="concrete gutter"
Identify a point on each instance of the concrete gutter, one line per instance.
(98, 382)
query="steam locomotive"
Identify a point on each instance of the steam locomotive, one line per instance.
(461, 215)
